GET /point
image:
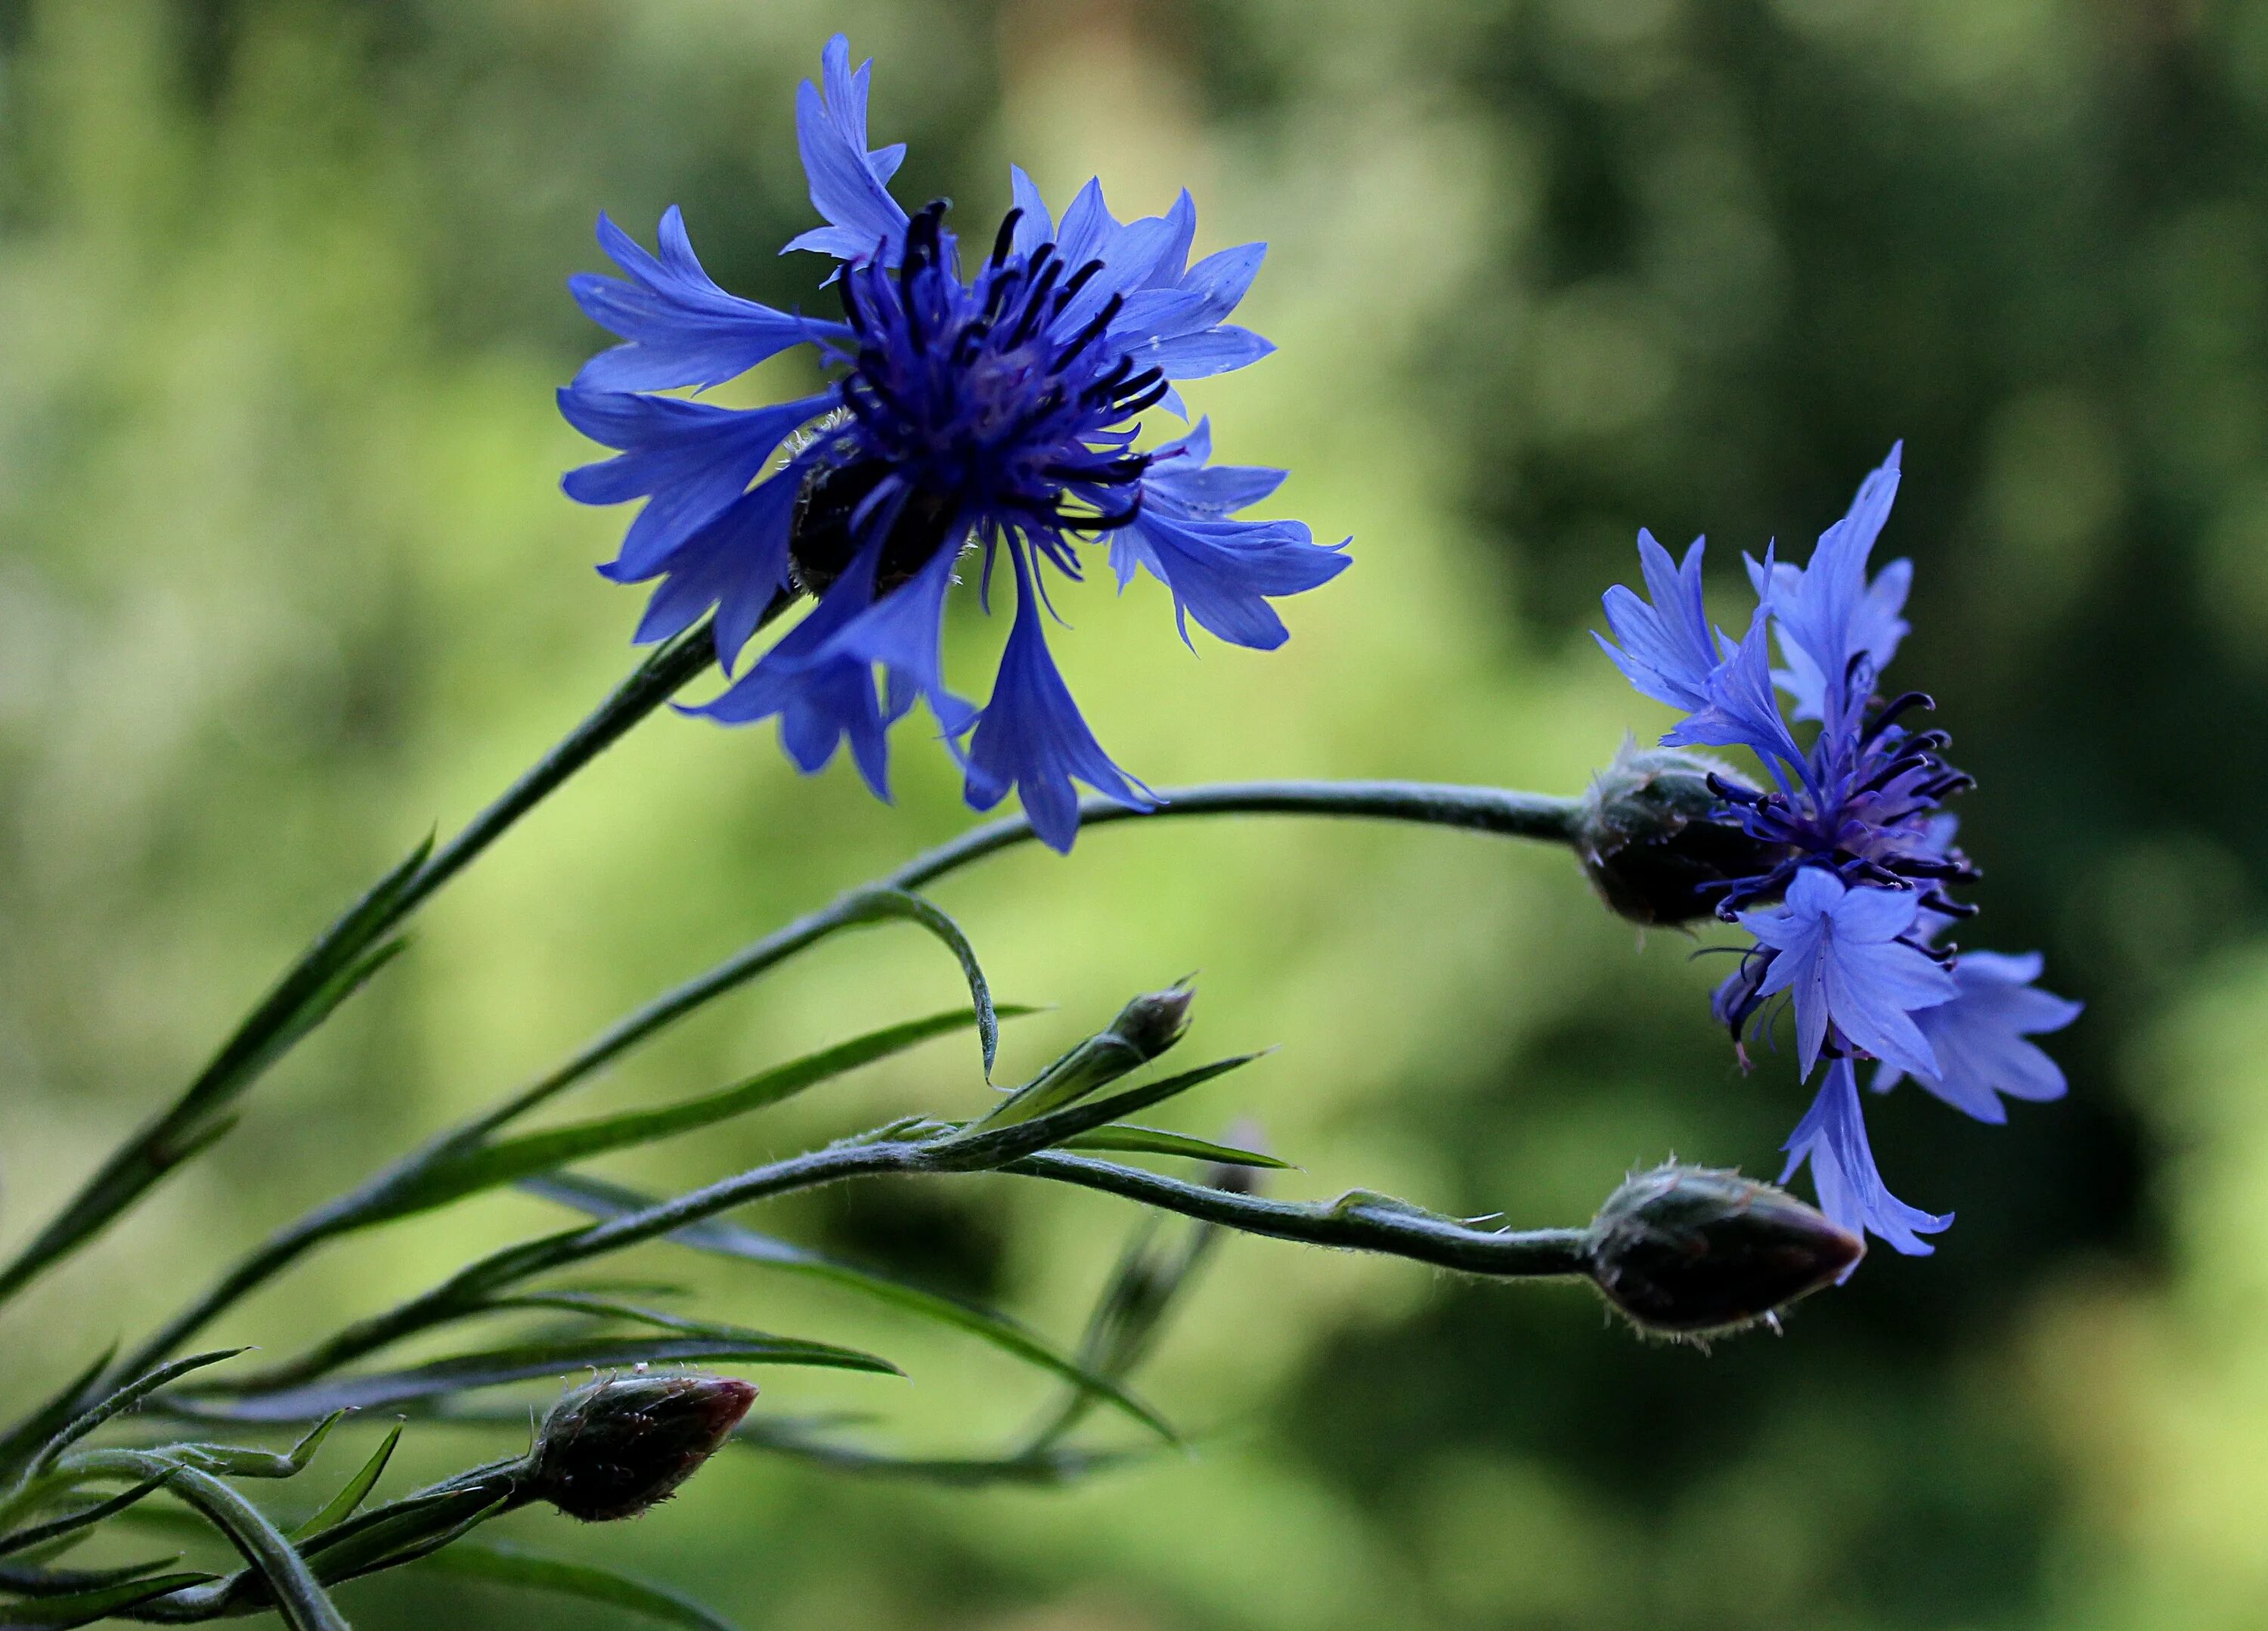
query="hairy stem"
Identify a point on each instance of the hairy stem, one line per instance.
(1478, 809)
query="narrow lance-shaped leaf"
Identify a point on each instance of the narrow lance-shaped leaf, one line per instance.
(456, 1174)
(1157, 1141)
(126, 1398)
(70, 1522)
(524, 1363)
(979, 1146)
(508, 1565)
(601, 1199)
(356, 1489)
(879, 904)
(83, 1608)
(22, 1442)
(329, 971)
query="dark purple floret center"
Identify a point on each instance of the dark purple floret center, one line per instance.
(969, 413)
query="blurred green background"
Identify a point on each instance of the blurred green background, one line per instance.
(286, 578)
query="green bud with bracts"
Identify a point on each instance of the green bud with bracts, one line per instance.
(1146, 1028)
(1696, 1251)
(617, 1446)
(1655, 840)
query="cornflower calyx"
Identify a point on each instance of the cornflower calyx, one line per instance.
(1658, 840)
(616, 1447)
(1694, 1251)
(994, 410)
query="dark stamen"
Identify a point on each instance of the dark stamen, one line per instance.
(1093, 330)
(1149, 399)
(1004, 240)
(1079, 281)
(1895, 707)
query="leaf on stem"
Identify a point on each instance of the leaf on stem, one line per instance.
(22, 1442)
(452, 1174)
(1156, 1141)
(83, 1608)
(356, 1489)
(125, 1398)
(508, 1565)
(601, 1199)
(873, 904)
(56, 1529)
(524, 1363)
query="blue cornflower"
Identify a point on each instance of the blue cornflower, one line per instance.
(1854, 850)
(971, 413)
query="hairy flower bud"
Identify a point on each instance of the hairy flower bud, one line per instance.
(1654, 840)
(1145, 1029)
(1692, 1251)
(1152, 1023)
(614, 1447)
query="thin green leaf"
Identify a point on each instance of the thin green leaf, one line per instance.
(919, 909)
(603, 1199)
(485, 1166)
(40, 1534)
(22, 1442)
(329, 971)
(125, 1398)
(356, 1489)
(979, 1146)
(1157, 1141)
(508, 1565)
(83, 1608)
(1043, 1465)
(525, 1363)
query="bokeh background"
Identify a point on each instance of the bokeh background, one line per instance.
(285, 579)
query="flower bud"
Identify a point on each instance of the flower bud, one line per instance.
(1653, 838)
(616, 1446)
(1155, 1022)
(1145, 1027)
(1692, 1251)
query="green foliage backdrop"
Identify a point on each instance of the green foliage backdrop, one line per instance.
(285, 577)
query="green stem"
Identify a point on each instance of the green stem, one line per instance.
(1478, 809)
(268, 1032)
(304, 1603)
(1357, 1220)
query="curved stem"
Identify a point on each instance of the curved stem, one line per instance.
(1477, 809)
(1359, 1221)
(300, 1599)
(334, 965)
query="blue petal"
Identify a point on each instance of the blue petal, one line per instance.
(1087, 229)
(1832, 1137)
(1829, 613)
(1840, 957)
(903, 631)
(820, 700)
(683, 329)
(1223, 573)
(1979, 1037)
(736, 563)
(1221, 350)
(1035, 226)
(1031, 737)
(1668, 650)
(687, 460)
(831, 135)
(1742, 710)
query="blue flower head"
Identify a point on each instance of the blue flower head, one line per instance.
(1859, 853)
(974, 412)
